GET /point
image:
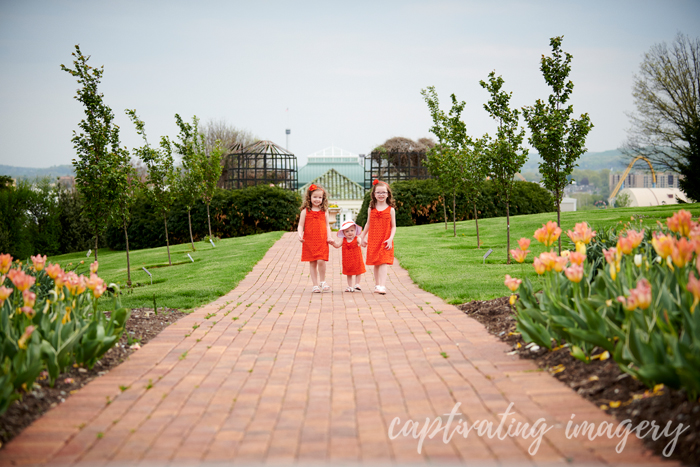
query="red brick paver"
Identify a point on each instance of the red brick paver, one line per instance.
(282, 376)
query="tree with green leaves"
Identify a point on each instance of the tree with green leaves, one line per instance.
(189, 177)
(506, 154)
(211, 172)
(124, 203)
(161, 172)
(98, 170)
(559, 138)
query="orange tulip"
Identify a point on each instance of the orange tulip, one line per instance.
(29, 298)
(29, 311)
(512, 283)
(548, 233)
(22, 280)
(582, 233)
(519, 255)
(53, 270)
(635, 237)
(682, 252)
(5, 292)
(93, 267)
(5, 263)
(560, 263)
(640, 297)
(548, 258)
(694, 288)
(39, 261)
(577, 258)
(22, 342)
(663, 244)
(539, 266)
(680, 222)
(574, 273)
(524, 243)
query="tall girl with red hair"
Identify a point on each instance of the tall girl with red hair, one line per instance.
(315, 235)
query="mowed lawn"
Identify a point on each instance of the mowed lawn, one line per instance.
(452, 268)
(185, 285)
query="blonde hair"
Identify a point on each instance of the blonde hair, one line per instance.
(307, 198)
(389, 197)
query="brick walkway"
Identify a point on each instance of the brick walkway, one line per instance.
(281, 376)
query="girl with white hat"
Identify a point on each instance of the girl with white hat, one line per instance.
(353, 265)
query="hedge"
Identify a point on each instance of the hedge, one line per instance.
(420, 202)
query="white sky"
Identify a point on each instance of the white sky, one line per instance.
(350, 73)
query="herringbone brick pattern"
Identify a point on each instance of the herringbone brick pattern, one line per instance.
(282, 376)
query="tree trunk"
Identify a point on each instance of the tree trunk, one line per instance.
(476, 220)
(97, 238)
(209, 221)
(444, 209)
(559, 218)
(454, 213)
(189, 220)
(128, 264)
(507, 232)
(167, 242)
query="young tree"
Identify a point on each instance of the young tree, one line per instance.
(506, 152)
(666, 127)
(98, 170)
(559, 139)
(161, 172)
(211, 172)
(189, 177)
(124, 202)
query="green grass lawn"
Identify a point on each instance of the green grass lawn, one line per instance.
(452, 268)
(185, 285)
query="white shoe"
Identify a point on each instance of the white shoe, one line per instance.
(380, 289)
(325, 287)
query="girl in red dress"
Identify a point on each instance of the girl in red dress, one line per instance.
(380, 228)
(315, 235)
(353, 266)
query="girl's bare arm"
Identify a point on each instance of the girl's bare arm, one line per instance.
(300, 229)
(363, 242)
(390, 241)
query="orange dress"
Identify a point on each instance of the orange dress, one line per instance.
(352, 258)
(379, 232)
(315, 246)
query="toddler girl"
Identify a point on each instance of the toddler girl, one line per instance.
(380, 228)
(315, 235)
(353, 266)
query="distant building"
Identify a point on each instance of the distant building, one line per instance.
(644, 180)
(67, 182)
(342, 174)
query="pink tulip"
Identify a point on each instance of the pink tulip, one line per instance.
(548, 233)
(93, 267)
(22, 280)
(682, 252)
(29, 298)
(574, 273)
(524, 243)
(577, 258)
(519, 255)
(22, 342)
(539, 266)
(512, 283)
(5, 263)
(680, 222)
(39, 261)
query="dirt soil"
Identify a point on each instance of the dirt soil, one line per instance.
(603, 383)
(142, 326)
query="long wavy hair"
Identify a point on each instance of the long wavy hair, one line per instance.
(389, 197)
(307, 198)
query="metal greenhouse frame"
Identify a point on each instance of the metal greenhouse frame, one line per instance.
(263, 162)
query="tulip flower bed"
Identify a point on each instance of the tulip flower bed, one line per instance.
(636, 304)
(49, 321)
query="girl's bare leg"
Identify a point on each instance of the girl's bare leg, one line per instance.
(357, 279)
(321, 270)
(380, 274)
(313, 273)
(350, 280)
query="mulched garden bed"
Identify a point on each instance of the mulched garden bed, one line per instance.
(603, 383)
(143, 325)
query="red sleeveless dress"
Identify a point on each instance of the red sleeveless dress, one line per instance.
(315, 246)
(352, 258)
(379, 231)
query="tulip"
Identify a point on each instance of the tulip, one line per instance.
(560, 263)
(577, 258)
(53, 270)
(582, 233)
(524, 243)
(512, 283)
(99, 290)
(640, 297)
(39, 261)
(548, 233)
(96, 285)
(29, 311)
(581, 247)
(548, 258)
(663, 244)
(93, 268)
(574, 273)
(72, 281)
(519, 255)
(638, 260)
(694, 288)
(22, 342)
(513, 298)
(624, 245)
(29, 298)
(635, 237)
(682, 252)
(539, 266)
(60, 280)
(5, 292)
(680, 222)
(22, 281)
(5, 263)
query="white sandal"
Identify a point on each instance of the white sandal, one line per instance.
(357, 288)
(316, 289)
(325, 287)
(349, 289)
(380, 289)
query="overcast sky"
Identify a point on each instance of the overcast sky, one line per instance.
(349, 73)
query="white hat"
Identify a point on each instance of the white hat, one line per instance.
(347, 224)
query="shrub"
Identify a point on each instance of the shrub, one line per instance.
(420, 202)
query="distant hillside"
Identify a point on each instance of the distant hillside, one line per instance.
(612, 159)
(32, 173)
